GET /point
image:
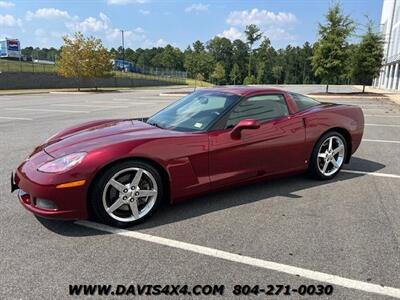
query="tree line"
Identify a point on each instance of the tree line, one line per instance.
(332, 59)
(219, 60)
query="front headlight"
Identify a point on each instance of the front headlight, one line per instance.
(62, 164)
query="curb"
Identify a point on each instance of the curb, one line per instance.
(72, 93)
(23, 93)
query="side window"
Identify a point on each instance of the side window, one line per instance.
(303, 102)
(262, 108)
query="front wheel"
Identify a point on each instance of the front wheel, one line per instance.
(127, 193)
(328, 155)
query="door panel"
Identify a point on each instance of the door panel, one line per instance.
(276, 147)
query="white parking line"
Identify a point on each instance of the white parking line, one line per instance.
(155, 97)
(372, 173)
(123, 99)
(15, 118)
(50, 110)
(141, 103)
(260, 263)
(383, 105)
(383, 116)
(359, 103)
(144, 98)
(383, 125)
(134, 101)
(90, 105)
(381, 141)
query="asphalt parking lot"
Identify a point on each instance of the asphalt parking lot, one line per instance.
(348, 227)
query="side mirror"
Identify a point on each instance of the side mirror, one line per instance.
(244, 124)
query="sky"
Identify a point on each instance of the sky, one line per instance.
(149, 23)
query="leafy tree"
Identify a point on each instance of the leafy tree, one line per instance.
(42, 54)
(347, 75)
(121, 53)
(293, 65)
(83, 57)
(221, 50)
(264, 57)
(130, 55)
(72, 57)
(189, 63)
(218, 73)
(97, 62)
(306, 56)
(113, 53)
(198, 47)
(330, 55)
(260, 68)
(144, 58)
(240, 56)
(250, 80)
(235, 74)
(168, 57)
(198, 61)
(277, 71)
(27, 51)
(368, 57)
(253, 34)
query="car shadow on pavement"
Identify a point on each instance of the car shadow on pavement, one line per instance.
(216, 201)
(68, 228)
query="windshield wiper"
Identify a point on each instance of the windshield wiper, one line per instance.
(155, 125)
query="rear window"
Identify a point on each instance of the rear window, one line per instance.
(303, 102)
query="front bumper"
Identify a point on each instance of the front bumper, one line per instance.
(35, 188)
(14, 186)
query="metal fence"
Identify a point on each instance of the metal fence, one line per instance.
(142, 76)
(162, 72)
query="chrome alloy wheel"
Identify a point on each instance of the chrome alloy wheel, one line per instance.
(130, 194)
(331, 155)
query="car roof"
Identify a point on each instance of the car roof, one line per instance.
(242, 90)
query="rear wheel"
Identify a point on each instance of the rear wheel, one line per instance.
(328, 155)
(127, 193)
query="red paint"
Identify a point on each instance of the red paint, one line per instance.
(196, 163)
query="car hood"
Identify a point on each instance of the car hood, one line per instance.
(85, 138)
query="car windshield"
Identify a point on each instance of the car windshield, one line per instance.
(195, 112)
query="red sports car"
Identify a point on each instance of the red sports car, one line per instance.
(119, 171)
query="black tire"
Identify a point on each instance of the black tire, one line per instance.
(97, 189)
(314, 169)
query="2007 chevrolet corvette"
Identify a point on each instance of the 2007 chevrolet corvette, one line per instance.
(119, 171)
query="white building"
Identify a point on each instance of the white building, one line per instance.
(390, 27)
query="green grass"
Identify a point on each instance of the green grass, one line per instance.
(17, 66)
(198, 83)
